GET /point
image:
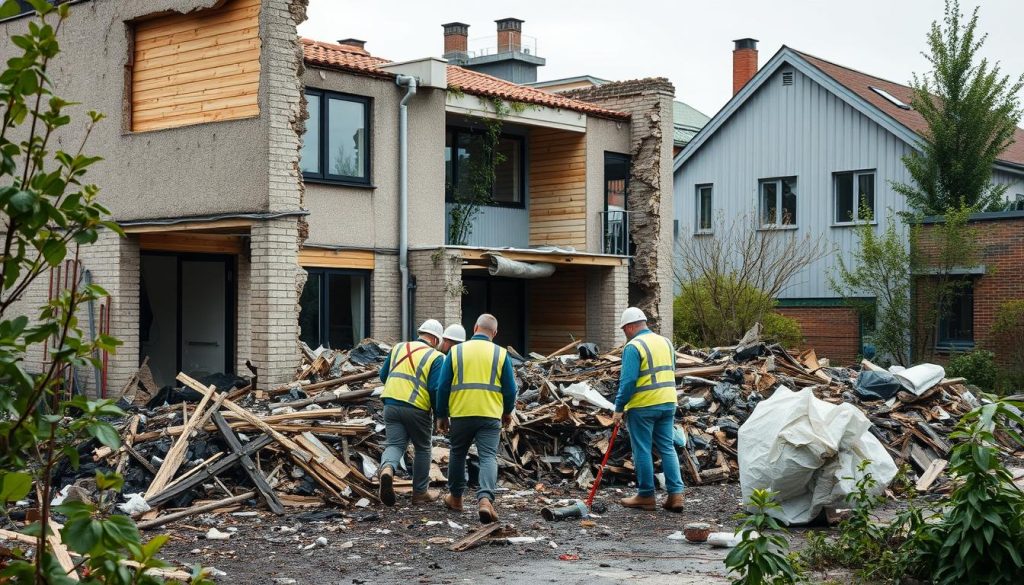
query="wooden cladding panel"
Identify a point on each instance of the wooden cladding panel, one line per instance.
(324, 258)
(558, 188)
(196, 68)
(558, 309)
(193, 243)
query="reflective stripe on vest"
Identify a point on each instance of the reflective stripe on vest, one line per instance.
(656, 383)
(476, 383)
(410, 370)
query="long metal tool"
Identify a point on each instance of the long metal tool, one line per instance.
(600, 470)
(580, 509)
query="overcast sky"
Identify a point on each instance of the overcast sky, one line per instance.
(689, 42)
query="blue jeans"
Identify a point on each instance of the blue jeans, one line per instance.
(653, 425)
(485, 432)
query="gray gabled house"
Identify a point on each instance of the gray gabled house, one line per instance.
(802, 144)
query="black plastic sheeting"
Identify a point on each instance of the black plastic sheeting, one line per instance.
(872, 385)
(366, 353)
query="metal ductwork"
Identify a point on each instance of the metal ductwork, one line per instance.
(501, 266)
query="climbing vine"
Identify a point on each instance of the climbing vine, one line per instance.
(476, 186)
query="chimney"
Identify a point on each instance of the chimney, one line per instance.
(510, 35)
(744, 63)
(456, 41)
(356, 43)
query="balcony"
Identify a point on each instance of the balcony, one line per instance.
(615, 231)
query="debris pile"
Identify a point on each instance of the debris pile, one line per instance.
(219, 444)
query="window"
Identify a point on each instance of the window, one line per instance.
(336, 145)
(465, 158)
(704, 209)
(616, 222)
(335, 308)
(854, 196)
(956, 320)
(778, 202)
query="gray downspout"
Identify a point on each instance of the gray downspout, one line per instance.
(409, 83)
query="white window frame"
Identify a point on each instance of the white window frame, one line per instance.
(856, 208)
(711, 199)
(777, 181)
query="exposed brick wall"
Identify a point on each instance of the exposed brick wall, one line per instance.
(438, 278)
(650, 196)
(744, 66)
(385, 322)
(607, 297)
(1001, 251)
(273, 299)
(833, 332)
(243, 326)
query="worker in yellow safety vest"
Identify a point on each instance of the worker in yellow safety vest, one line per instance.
(647, 397)
(410, 373)
(478, 390)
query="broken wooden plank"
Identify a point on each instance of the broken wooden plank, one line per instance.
(60, 552)
(177, 452)
(210, 471)
(931, 474)
(247, 464)
(326, 383)
(475, 538)
(160, 521)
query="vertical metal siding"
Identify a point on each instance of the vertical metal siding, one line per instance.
(497, 226)
(800, 130)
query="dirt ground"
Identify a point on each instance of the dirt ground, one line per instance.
(407, 544)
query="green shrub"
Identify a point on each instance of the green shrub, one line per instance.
(762, 556)
(1007, 334)
(710, 312)
(978, 366)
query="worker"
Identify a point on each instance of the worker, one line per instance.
(411, 374)
(647, 397)
(453, 335)
(478, 390)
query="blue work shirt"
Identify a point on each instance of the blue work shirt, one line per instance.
(629, 374)
(433, 379)
(508, 384)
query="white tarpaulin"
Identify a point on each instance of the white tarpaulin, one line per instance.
(920, 377)
(803, 448)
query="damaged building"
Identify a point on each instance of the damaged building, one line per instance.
(262, 180)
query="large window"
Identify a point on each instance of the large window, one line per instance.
(704, 209)
(778, 202)
(854, 196)
(335, 308)
(616, 220)
(956, 319)
(466, 165)
(336, 146)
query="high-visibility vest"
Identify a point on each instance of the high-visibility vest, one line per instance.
(409, 371)
(476, 381)
(657, 381)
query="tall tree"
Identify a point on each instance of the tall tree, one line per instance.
(972, 112)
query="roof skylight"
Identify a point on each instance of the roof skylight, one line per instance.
(889, 97)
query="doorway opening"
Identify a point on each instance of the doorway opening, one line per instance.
(505, 298)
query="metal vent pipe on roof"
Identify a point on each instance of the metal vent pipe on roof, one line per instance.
(408, 82)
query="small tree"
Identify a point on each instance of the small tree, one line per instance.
(48, 215)
(972, 112)
(730, 280)
(881, 268)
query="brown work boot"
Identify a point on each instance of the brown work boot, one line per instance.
(487, 513)
(425, 497)
(387, 486)
(640, 502)
(674, 503)
(453, 502)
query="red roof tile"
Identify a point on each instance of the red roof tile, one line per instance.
(353, 59)
(861, 84)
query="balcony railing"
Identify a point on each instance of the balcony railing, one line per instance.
(615, 228)
(483, 46)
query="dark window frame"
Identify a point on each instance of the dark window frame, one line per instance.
(855, 174)
(711, 201)
(325, 312)
(617, 157)
(449, 188)
(26, 9)
(324, 176)
(230, 309)
(943, 341)
(778, 225)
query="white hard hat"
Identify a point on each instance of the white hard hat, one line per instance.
(631, 315)
(455, 333)
(433, 327)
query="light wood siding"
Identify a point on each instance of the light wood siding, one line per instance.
(191, 243)
(196, 68)
(324, 258)
(557, 309)
(558, 188)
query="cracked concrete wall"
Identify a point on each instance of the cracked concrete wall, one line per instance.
(650, 189)
(192, 170)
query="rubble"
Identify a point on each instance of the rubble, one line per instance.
(218, 445)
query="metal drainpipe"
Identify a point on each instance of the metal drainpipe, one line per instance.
(408, 82)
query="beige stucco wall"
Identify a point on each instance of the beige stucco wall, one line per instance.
(194, 170)
(368, 217)
(602, 136)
